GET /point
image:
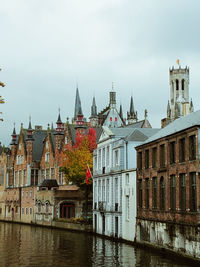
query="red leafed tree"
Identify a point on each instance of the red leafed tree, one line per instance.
(76, 159)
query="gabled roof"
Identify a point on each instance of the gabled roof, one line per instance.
(130, 134)
(178, 125)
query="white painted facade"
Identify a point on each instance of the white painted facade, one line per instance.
(114, 185)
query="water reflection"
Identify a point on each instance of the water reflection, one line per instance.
(23, 245)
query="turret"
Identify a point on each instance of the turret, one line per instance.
(93, 117)
(29, 131)
(59, 128)
(14, 137)
(131, 115)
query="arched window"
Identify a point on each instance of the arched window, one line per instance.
(47, 207)
(177, 85)
(162, 193)
(183, 84)
(39, 207)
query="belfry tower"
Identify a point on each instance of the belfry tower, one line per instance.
(179, 104)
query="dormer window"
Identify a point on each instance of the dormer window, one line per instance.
(110, 118)
(115, 118)
(47, 145)
(47, 157)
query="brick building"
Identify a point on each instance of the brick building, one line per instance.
(168, 187)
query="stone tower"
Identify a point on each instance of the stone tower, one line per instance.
(179, 104)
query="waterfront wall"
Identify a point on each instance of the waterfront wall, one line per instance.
(74, 226)
(183, 239)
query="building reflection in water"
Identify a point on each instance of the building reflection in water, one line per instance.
(24, 245)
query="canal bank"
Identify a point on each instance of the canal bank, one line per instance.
(87, 228)
(28, 245)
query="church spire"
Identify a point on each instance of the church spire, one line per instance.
(93, 108)
(78, 108)
(132, 107)
(132, 115)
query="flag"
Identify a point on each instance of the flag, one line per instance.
(177, 61)
(88, 174)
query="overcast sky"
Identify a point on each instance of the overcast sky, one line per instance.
(48, 46)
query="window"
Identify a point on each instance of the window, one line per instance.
(39, 207)
(116, 191)
(52, 173)
(162, 193)
(20, 146)
(103, 190)
(140, 193)
(127, 207)
(2, 175)
(47, 207)
(183, 84)
(30, 193)
(26, 194)
(173, 192)
(107, 191)
(95, 163)
(26, 211)
(0, 210)
(147, 159)
(22, 159)
(24, 177)
(99, 190)
(116, 153)
(177, 85)
(99, 159)
(47, 173)
(182, 150)
(192, 147)
(20, 178)
(182, 192)
(108, 156)
(127, 178)
(172, 151)
(34, 177)
(43, 174)
(139, 160)
(147, 193)
(30, 211)
(60, 178)
(193, 192)
(154, 157)
(162, 155)
(66, 140)
(47, 157)
(103, 159)
(47, 145)
(22, 210)
(154, 193)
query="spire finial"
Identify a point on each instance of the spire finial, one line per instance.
(145, 114)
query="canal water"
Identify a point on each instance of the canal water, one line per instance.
(24, 245)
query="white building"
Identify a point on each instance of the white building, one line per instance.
(114, 181)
